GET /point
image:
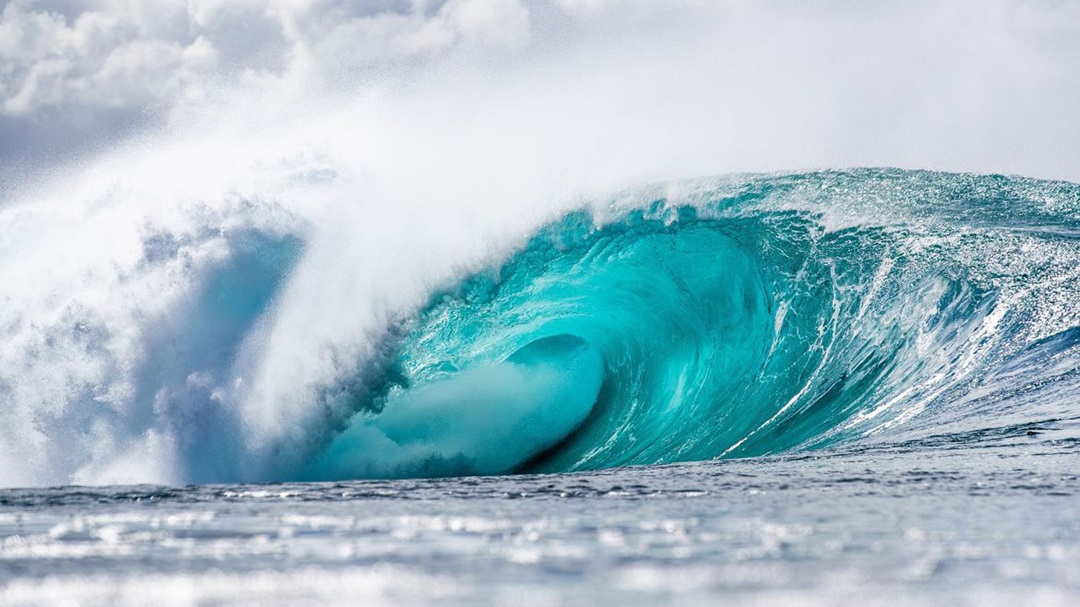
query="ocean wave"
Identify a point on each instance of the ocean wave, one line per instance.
(716, 318)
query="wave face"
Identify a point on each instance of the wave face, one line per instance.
(717, 318)
(740, 318)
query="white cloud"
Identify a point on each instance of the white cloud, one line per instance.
(119, 54)
(962, 84)
(95, 59)
(79, 75)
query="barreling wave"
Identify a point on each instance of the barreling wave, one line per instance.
(738, 318)
(718, 318)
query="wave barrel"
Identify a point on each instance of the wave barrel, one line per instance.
(489, 419)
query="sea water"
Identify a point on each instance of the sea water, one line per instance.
(985, 519)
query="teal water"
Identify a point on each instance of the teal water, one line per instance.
(736, 318)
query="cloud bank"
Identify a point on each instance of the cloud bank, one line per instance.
(962, 85)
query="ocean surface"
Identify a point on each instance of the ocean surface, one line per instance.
(982, 519)
(792, 389)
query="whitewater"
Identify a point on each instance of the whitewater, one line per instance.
(486, 302)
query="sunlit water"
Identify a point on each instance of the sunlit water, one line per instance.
(977, 520)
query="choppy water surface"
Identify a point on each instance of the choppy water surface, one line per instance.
(973, 520)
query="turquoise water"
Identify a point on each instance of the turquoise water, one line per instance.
(742, 318)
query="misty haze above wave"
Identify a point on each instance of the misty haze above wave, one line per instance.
(640, 91)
